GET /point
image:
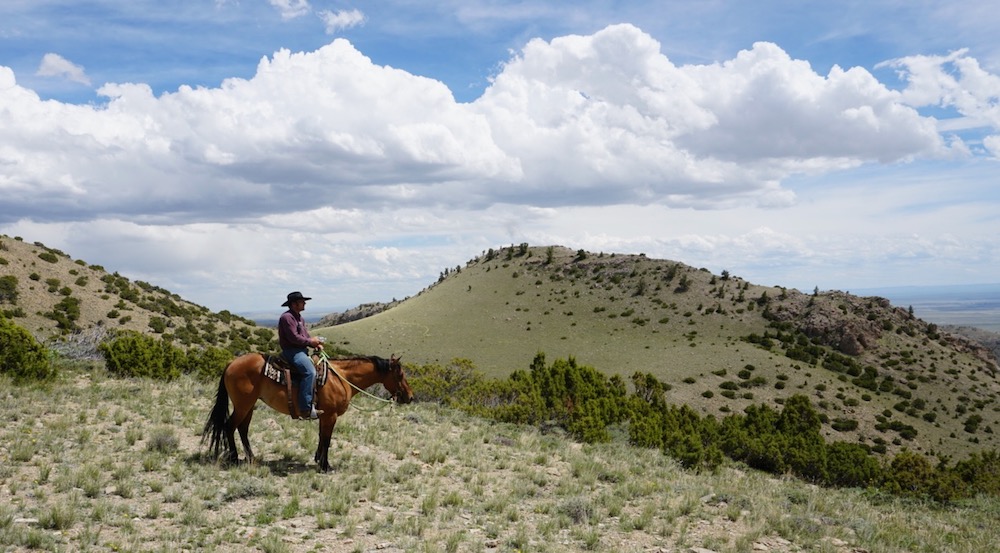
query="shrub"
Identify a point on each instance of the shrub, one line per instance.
(48, 256)
(842, 424)
(8, 289)
(65, 313)
(443, 384)
(13, 313)
(981, 472)
(972, 423)
(130, 353)
(158, 324)
(850, 465)
(912, 474)
(577, 398)
(21, 356)
(206, 363)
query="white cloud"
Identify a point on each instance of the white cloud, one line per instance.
(340, 20)
(992, 145)
(54, 65)
(326, 167)
(602, 119)
(952, 81)
(291, 9)
(608, 118)
(327, 127)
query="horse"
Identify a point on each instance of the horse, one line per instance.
(243, 382)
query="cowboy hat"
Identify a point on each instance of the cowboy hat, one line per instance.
(294, 296)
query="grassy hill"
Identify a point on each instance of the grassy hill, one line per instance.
(879, 375)
(61, 300)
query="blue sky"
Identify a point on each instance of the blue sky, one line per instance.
(232, 151)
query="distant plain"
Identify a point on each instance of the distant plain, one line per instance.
(971, 305)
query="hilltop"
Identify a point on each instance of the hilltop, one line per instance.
(879, 375)
(61, 300)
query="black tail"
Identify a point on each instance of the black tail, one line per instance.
(218, 421)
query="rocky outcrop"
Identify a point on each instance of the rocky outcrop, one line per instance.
(854, 324)
(849, 324)
(975, 348)
(979, 338)
(357, 313)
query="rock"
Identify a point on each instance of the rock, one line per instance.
(849, 345)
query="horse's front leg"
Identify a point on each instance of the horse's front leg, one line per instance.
(322, 456)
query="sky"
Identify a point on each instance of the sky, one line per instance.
(232, 151)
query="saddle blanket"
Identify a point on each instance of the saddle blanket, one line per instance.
(275, 368)
(274, 373)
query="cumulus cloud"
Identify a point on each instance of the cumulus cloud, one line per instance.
(291, 9)
(323, 128)
(602, 119)
(54, 65)
(992, 145)
(634, 127)
(342, 19)
(952, 81)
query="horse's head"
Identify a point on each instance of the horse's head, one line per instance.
(396, 383)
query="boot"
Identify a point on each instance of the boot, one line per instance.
(313, 414)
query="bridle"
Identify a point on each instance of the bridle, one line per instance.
(326, 358)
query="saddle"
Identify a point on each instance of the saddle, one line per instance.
(284, 374)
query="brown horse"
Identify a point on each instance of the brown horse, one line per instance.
(244, 383)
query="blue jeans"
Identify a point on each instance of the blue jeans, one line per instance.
(299, 358)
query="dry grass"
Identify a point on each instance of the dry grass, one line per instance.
(97, 464)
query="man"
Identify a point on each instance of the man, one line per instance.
(294, 339)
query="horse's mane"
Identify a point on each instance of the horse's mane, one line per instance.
(381, 364)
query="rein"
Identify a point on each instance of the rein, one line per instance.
(333, 368)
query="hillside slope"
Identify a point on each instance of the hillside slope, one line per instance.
(57, 298)
(879, 375)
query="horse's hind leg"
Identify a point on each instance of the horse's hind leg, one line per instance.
(232, 454)
(240, 420)
(244, 429)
